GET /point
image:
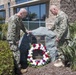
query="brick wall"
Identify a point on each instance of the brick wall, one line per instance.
(1, 2)
(50, 18)
(69, 7)
(12, 2)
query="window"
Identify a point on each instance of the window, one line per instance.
(17, 10)
(1, 6)
(34, 13)
(2, 16)
(9, 8)
(21, 1)
(43, 12)
(36, 16)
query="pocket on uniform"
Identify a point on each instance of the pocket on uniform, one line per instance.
(13, 47)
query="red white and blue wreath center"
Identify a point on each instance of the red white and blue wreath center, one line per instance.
(46, 56)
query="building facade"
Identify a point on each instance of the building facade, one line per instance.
(38, 11)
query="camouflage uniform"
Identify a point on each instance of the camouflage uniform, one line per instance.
(13, 36)
(61, 27)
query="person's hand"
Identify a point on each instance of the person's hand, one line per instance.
(17, 42)
(57, 39)
(29, 32)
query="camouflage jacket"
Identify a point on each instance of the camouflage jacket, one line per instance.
(61, 26)
(14, 26)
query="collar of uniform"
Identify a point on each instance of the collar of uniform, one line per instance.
(58, 13)
(18, 17)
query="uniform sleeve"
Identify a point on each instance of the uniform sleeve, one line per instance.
(11, 31)
(22, 26)
(53, 27)
(63, 26)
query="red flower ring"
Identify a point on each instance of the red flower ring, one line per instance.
(42, 61)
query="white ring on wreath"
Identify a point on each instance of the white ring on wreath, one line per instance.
(34, 62)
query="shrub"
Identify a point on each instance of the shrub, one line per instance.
(69, 51)
(4, 31)
(6, 61)
(0, 27)
(0, 31)
(73, 30)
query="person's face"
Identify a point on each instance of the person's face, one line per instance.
(23, 14)
(53, 11)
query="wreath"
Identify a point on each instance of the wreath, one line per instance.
(44, 60)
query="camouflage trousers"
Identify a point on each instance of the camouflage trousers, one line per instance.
(16, 55)
(15, 50)
(61, 45)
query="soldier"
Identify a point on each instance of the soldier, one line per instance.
(61, 26)
(13, 35)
